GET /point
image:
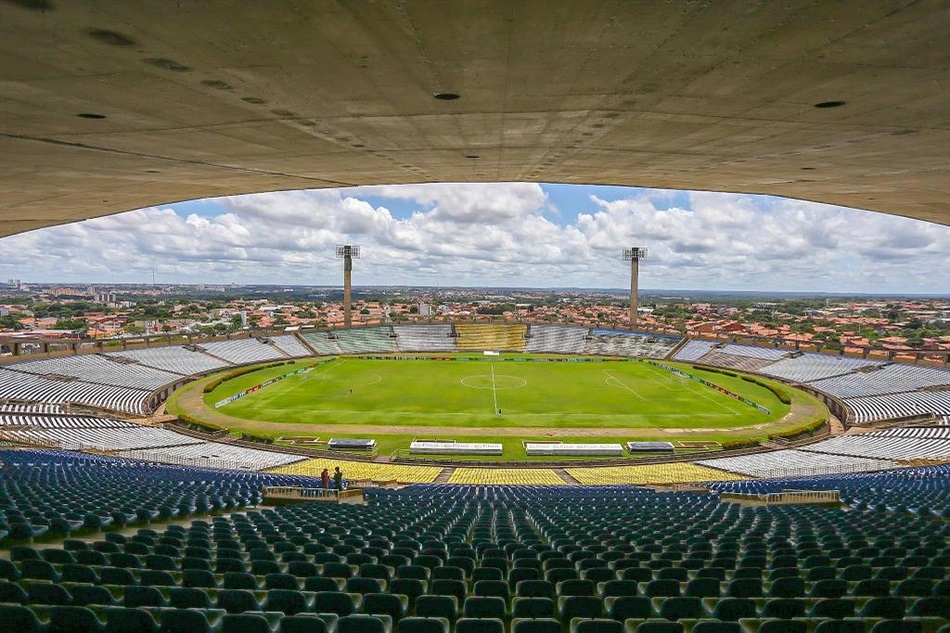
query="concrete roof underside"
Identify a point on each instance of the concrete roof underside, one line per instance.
(217, 98)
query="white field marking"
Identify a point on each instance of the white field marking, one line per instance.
(464, 382)
(321, 372)
(494, 392)
(699, 391)
(621, 385)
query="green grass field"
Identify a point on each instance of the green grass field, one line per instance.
(495, 393)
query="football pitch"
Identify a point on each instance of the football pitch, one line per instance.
(512, 391)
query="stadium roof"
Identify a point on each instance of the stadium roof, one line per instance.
(116, 105)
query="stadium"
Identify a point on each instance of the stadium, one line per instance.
(499, 478)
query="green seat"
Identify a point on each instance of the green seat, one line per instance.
(116, 576)
(535, 589)
(888, 607)
(12, 592)
(784, 608)
(716, 626)
(458, 588)
(479, 625)
(39, 570)
(533, 608)
(596, 625)
(654, 626)
(323, 583)
(680, 608)
(337, 602)
(732, 609)
(198, 578)
(484, 607)
(622, 608)
(157, 578)
(900, 626)
(580, 607)
(85, 594)
(935, 606)
(141, 596)
(437, 607)
(361, 585)
(364, 624)
(829, 588)
(48, 593)
(287, 601)
(184, 621)
(189, 598)
(245, 623)
(239, 580)
(835, 608)
(703, 588)
(872, 587)
(125, 620)
(790, 587)
(840, 626)
(422, 625)
(388, 604)
(662, 588)
(308, 623)
(535, 625)
(72, 619)
(237, 601)
(409, 587)
(19, 619)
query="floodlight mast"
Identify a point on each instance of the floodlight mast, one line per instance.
(347, 253)
(634, 254)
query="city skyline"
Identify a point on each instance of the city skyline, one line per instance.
(515, 235)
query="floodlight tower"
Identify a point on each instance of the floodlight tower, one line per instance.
(634, 254)
(347, 253)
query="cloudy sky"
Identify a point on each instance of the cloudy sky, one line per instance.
(497, 234)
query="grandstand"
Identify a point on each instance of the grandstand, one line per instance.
(809, 367)
(892, 444)
(890, 379)
(632, 344)
(424, 338)
(175, 359)
(290, 345)
(100, 369)
(534, 555)
(677, 472)
(788, 463)
(321, 343)
(559, 339)
(15, 385)
(477, 337)
(213, 455)
(364, 471)
(243, 351)
(370, 340)
(506, 476)
(693, 351)
(87, 433)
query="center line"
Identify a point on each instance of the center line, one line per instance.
(494, 393)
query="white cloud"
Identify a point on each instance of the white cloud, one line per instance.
(497, 234)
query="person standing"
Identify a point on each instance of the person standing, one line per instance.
(338, 478)
(325, 476)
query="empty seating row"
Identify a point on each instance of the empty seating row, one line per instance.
(424, 338)
(17, 385)
(785, 463)
(243, 351)
(476, 337)
(370, 340)
(100, 369)
(176, 359)
(560, 339)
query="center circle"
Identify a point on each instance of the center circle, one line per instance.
(501, 381)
